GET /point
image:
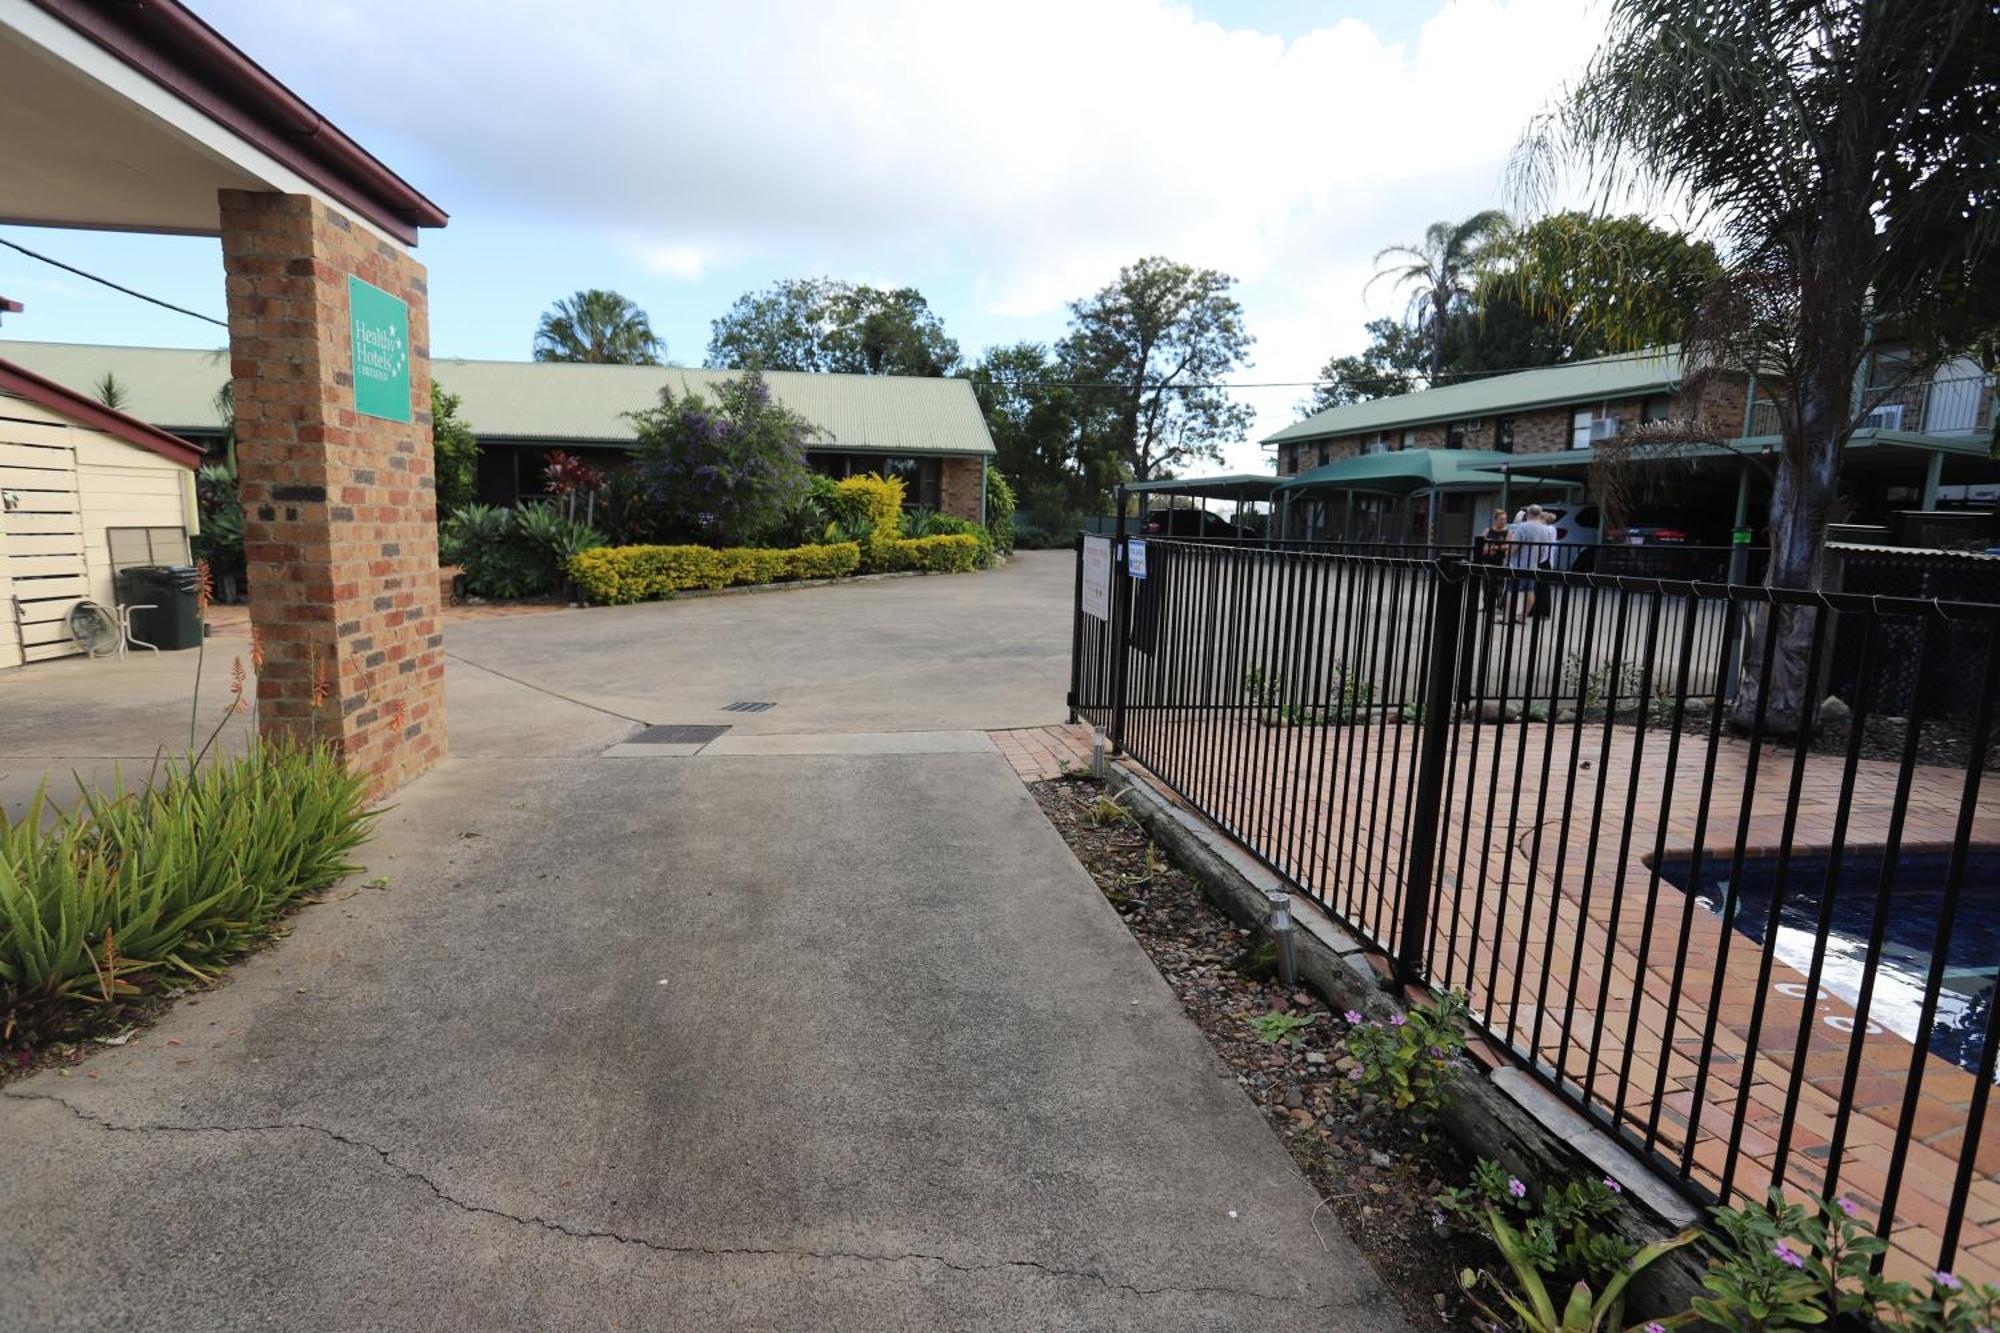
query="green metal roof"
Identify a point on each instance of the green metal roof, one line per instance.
(1578, 382)
(1402, 470)
(1235, 486)
(554, 402)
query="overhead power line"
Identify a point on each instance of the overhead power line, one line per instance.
(114, 286)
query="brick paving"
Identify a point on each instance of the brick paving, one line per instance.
(1577, 955)
(1041, 753)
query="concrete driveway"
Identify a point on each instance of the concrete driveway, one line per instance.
(815, 1038)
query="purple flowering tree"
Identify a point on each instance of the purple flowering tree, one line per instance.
(722, 474)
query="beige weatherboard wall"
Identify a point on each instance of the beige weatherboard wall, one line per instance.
(65, 484)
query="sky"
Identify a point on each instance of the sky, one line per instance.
(1004, 159)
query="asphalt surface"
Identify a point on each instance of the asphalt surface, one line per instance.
(817, 1032)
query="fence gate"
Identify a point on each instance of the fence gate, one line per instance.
(1746, 927)
(41, 541)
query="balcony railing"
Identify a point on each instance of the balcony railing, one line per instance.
(1961, 405)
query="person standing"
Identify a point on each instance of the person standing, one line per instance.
(1491, 549)
(1529, 542)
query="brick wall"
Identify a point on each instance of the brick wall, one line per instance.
(959, 488)
(339, 509)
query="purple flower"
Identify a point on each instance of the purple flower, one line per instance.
(1397, 1020)
(1947, 1281)
(1516, 1188)
(1613, 1185)
(1784, 1251)
(1846, 1206)
(1437, 1217)
(1352, 1015)
(1656, 1327)
(1356, 1074)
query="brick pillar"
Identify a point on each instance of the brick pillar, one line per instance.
(339, 506)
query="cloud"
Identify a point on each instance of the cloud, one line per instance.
(1013, 155)
(1035, 144)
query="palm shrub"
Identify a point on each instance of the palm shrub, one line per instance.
(521, 552)
(106, 901)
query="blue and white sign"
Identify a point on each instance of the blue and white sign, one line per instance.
(1136, 561)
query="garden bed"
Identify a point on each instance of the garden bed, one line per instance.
(1378, 1173)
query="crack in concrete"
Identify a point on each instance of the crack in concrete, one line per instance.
(574, 1232)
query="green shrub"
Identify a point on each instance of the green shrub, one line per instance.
(616, 575)
(103, 902)
(1000, 502)
(521, 552)
(930, 523)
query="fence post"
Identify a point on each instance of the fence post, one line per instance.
(1447, 608)
(1076, 632)
(1121, 616)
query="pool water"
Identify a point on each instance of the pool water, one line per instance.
(1916, 901)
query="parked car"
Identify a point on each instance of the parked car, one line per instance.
(1189, 523)
(1662, 546)
(1578, 533)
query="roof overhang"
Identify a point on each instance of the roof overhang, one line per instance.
(1236, 486)
(131, 114)
(89, 412)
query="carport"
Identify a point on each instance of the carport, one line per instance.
(1243, 488)
(1413, 495)
(143, 118)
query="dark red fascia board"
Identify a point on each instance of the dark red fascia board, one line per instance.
(60, 398)
(8, 307)
(169, 45)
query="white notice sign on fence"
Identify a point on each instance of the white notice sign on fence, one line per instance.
(1097, 577)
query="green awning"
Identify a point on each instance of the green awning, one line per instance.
(1402, 471)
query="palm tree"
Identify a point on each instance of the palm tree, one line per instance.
(597, 326)
(1439, 271)
(110, 392)
(1841, 152)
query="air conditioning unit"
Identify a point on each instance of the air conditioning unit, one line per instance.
(1604, 428)
(1889, 416)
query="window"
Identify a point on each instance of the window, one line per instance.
(923, 478)
(1409, 439)
(1378, 443)
(1579, 430)
(1503, 434)
(1454, 435)
(1325, 454)
(1659, 407)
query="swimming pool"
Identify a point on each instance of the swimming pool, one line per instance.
(1916, 900)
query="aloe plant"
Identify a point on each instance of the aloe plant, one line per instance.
(1534, 1306)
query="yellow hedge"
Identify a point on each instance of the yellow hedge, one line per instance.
(882, 501)
(614, 575)
(950, 553)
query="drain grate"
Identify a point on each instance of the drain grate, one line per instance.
(749, 706)
(676, 735)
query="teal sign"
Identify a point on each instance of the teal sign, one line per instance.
(380, 325)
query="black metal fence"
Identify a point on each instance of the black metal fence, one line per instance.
(1750, 928)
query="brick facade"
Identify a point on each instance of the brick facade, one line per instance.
(961, 491)
(1540, 430)
(339, 509)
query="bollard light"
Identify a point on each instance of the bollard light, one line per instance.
(1280, 926)
(1097, 753)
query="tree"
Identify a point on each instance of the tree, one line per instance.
(455, 454)
(1439, 271)
(722, 475)
(1392, 364)
(1152, 348)
(822, 324)
(1034, 414)
(1588, 285)
(598, 326)
(110, 392)
(1844, 152)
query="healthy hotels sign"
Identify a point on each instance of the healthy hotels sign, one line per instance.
(380, 326)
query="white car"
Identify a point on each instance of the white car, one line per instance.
(1579, 531)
